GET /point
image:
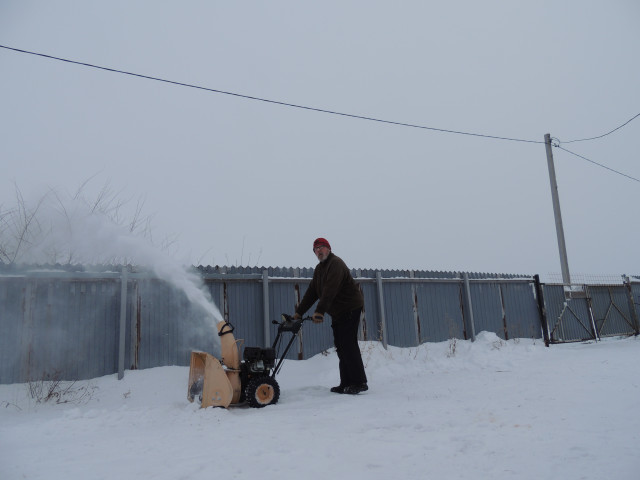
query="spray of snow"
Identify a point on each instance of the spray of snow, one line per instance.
(69, 230)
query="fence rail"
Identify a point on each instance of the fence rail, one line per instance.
(76, 325)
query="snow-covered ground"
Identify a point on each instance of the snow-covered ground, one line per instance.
(451, 410)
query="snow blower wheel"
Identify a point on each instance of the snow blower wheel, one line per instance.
(262, 391)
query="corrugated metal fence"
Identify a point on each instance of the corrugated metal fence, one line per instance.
(73, 324)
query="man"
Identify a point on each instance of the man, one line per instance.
(339, 296)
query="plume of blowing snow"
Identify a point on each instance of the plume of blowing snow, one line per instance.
(62, 229)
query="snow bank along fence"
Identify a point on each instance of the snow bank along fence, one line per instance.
(71, 323)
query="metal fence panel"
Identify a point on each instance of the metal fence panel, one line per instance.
(568, 319)
(64, 329)
(81, 340)
(398, 304)
(611, 310)
(487, 308)
(12, 324)
(244, 300)
(635, 292)
(170, 327)
(216, 292)
(67, 323)
(282, 299)
(370, 328)
(521, 310)
(316, 337)
(634, 300)
(439, 311)
(313, 338)
(153, 320)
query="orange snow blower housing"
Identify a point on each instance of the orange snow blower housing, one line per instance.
(220, 383)
(215, 385)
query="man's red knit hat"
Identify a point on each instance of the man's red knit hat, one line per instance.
(318, 242)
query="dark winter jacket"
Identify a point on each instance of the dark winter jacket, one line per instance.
(334, 287)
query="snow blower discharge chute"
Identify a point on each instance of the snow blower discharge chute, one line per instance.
(228, 381)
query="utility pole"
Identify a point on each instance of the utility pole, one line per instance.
(562, 248)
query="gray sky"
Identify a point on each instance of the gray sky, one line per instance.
(247, 182)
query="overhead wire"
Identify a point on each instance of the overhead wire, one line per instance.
(596, 163)
(332, 112)
(604, 134)
(276, 102)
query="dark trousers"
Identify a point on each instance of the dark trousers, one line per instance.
(345, 339)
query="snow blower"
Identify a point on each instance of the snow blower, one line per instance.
(229, 381)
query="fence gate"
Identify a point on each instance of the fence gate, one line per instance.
(589, 312)
(612, 310)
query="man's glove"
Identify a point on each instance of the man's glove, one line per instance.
(318, 317)
(297, 316)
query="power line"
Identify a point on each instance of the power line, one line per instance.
(596, 163)
(604, 134)
(360, 117)
(250, 97)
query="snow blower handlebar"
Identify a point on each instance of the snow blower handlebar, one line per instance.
(289, 324)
